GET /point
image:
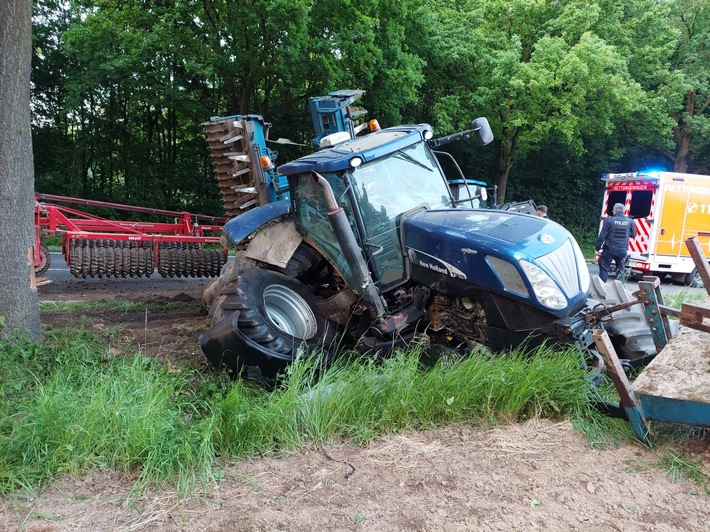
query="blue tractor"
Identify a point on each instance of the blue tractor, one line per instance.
(372, 250)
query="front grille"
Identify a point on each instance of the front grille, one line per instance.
(562, 265)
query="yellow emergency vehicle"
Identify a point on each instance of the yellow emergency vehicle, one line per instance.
(667, 208)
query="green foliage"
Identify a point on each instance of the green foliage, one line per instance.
(545, 73)
(120, 88)
(682, 88)
(586, 241)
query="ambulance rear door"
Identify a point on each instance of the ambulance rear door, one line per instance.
(638, 195)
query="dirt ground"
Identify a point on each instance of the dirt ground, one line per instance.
(534, 476)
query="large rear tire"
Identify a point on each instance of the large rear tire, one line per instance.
(628, 329)
(277, 312)
(303, 262)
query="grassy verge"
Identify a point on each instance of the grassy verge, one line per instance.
(67, 406)
(586, 241)
(118, 305)
(685, 295)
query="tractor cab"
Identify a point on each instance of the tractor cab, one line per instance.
(377, 180)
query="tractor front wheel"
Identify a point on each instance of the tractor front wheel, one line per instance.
(628, 329)
(693, 279)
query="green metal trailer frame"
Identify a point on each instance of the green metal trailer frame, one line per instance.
(675, 386)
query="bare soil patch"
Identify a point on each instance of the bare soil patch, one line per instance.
(168, 327)
(538, 475)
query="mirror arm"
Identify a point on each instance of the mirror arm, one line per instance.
(435, 143)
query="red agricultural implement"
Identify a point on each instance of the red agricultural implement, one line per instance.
(94, 246)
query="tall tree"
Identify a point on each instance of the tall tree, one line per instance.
(133, 105)
(543, 72)
(18, 297)
(683, 87)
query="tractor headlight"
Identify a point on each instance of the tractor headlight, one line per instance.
(544, 287)
(584, 280)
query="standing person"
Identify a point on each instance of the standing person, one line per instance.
(614, 239)
(542, 211)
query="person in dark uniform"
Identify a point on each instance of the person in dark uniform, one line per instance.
(613, 242)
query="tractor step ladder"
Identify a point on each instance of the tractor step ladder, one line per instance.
(675, 386)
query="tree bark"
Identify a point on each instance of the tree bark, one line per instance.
(683, 133)
(505, 152)
(19, 305)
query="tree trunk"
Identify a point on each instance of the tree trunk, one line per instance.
(505, 151)
(19, 306)
(683, 133)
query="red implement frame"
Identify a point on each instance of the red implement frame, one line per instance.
(54, 220)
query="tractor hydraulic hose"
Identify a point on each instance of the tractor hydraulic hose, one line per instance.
(348, 244)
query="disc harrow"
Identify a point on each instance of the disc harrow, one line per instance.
(116, 258)
(110, 258)
(181, 259)
(98, 247)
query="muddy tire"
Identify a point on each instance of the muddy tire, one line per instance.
(45, 259)
(278, 313)
(628, 329)
(213, 295)
(303, 262)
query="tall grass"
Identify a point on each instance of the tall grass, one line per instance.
(72, 408)
(359, 400)
(685, 295)
(67, 406)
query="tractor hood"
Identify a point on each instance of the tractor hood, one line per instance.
(518, 255)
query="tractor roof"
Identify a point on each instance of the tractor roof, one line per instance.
(367, 148)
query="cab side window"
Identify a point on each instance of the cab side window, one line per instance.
(312, 215)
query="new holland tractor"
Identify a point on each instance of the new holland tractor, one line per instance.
(371, 250)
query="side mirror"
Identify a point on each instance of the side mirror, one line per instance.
(483, 132)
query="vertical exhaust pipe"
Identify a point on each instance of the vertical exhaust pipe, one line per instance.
(351, 250)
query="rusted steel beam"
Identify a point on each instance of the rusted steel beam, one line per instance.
(701, 262)
(694, 315)
(631, 405)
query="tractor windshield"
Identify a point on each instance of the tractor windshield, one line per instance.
(402, 181)
(387, 187)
